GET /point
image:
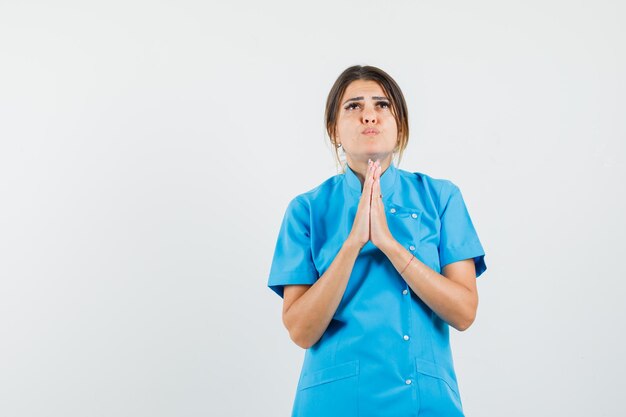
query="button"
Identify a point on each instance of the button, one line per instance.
(392, 210)
(408, 382)
(405, 292)
(414, 215)
(406, 337)
(412, 247)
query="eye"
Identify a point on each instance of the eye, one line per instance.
(352, 106)
(383, 104)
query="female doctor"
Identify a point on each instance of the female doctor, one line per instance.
(373, 266)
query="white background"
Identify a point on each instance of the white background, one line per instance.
(148, 150)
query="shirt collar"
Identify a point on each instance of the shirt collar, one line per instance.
(387, 180)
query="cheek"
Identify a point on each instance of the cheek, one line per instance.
(389, 124)
(345, 123)
(390, 121)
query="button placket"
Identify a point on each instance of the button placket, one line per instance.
(406, 216)
(407, 307)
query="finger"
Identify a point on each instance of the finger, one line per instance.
(376, 186)
(367, 183)
(375, 171)
(368, 174)
(372, 199)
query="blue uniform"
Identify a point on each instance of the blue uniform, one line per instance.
(385, 352)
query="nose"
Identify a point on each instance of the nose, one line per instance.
(369, 116)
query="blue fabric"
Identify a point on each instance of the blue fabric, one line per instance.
(384, 353)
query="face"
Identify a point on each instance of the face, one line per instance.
(366, 127)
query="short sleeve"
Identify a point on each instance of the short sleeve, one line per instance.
(459, 239)
(293, 262)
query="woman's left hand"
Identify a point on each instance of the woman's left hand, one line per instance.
(379, 230)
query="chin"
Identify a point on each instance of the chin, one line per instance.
(373, 155)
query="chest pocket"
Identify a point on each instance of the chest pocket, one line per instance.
(417, 232)
(405, 225)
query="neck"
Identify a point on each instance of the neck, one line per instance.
(360, 167)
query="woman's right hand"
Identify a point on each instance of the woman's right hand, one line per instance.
(360, 233)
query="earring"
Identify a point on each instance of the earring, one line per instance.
(342, 154)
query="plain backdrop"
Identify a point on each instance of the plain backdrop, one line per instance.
(148, 150)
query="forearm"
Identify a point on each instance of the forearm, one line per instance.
(309, 316)
(451, 301)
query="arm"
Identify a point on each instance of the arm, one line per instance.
(453, 295)
(308, 309)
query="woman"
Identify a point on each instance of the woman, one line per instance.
(373, 266)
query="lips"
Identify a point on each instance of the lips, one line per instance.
(370, 131)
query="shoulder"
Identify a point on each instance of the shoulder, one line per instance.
(320, 194)
(439, 190)
(439, 184)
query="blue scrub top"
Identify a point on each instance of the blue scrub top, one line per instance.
(385, 352)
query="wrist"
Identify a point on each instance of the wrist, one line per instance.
(352, 244)
(388, 245)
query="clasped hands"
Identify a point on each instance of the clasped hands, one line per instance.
(370, 222)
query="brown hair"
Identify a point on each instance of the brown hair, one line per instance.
(391, 89)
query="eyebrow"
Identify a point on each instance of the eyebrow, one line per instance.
(361, 98)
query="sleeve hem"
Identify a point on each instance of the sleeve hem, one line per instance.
(474, 252)
(277, 281)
